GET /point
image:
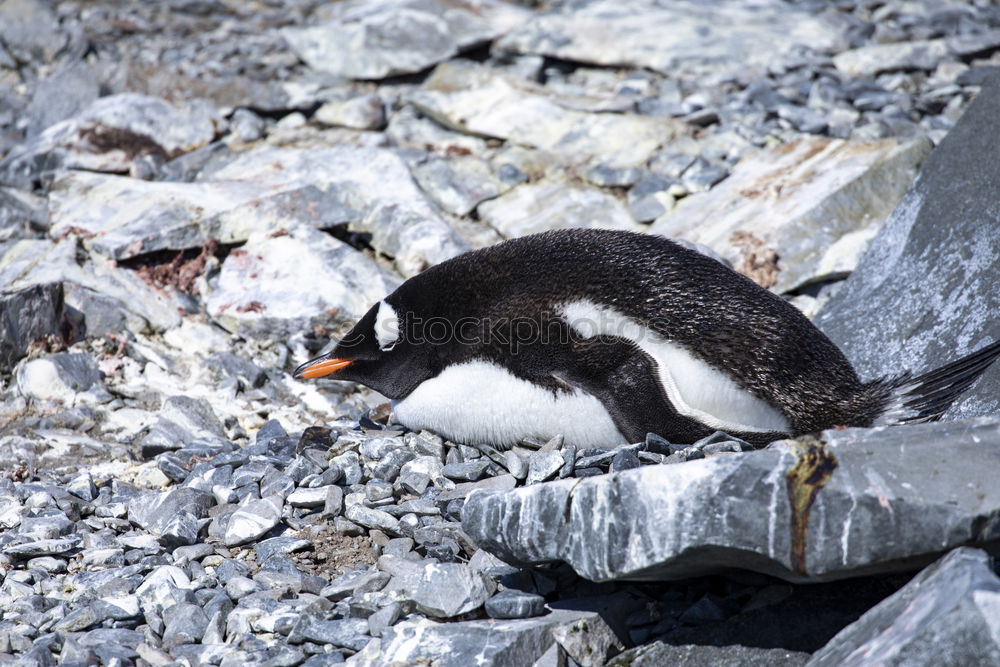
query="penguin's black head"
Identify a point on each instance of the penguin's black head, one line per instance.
(376, 353)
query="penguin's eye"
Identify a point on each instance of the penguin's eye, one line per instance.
(386, 327)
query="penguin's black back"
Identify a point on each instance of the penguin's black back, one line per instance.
(691, 300)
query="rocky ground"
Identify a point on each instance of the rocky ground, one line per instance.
(196, 196)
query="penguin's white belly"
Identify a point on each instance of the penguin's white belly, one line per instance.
(694, 388)
(483, 403)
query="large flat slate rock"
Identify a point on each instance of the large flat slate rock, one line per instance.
(677, 38)
(857, 502)
(925, 292)
(947, 615)
(815, 201)
(370, 40)
(477, 100)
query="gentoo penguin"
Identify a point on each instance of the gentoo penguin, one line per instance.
(605, 336)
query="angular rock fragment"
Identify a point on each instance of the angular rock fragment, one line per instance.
(538, 207)
(505, 643)
(458, 184)
(373, 40)
(29, 315)
(153, 511)
(62, 377)
(108, 135)
(923, 295)
(253, 520)
(364, 112)
(946, 615)
(693, 655)
(878, 58)
(414, 240)
(680, 39)
(857, 502)
(38, 262)
(181, 420)
(478, 100)
(259, 290)
(815, 202)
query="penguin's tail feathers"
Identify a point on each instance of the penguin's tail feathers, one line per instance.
(924, 398)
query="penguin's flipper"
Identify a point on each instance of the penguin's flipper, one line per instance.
(925, 398)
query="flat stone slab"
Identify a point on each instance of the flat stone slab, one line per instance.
(478, 100)
(501, 643)
(685, 38)
(260, 191)
(259, 289)
(553, 204)
(947, 615)
(925, 293)
(109, 134)
(857, 502)
(817, 202)
(371, 40)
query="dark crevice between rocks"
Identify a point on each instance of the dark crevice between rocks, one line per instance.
(178, 269)
(358, 240)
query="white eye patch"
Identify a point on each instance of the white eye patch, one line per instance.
(386, 326)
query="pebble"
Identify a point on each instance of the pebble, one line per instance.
(515, 604)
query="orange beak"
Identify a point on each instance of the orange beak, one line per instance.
(320, 367)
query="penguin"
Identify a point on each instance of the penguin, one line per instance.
(604, 336)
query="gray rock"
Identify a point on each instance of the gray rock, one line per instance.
(413, 239)
(45, 547)
(153, 511)
(680, 39)
(22, 214)
(315, 497)
(258, 290)
(945, 615)
(364, 112)
(38, 262)
(818, 226)
(688, 655)
(888, 486)
(29, 315)
(181, 420)
(543, 465)
(469, 471)
(515, 465)
(504, 643)
(181, 529)
(58, 377)
(538, 207)
(889, 317)
(109, 135)
(348, 633)
(479, 100)
(185, 624)
(515, 604)
(246, 125)
(877, 58)
(384, 618)
(372, 518)
(163, 588)
(63, 95)
(30, 31)
(458, 184)
(253, 520)
(373, 40)
(446, 590)
(588, 641)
